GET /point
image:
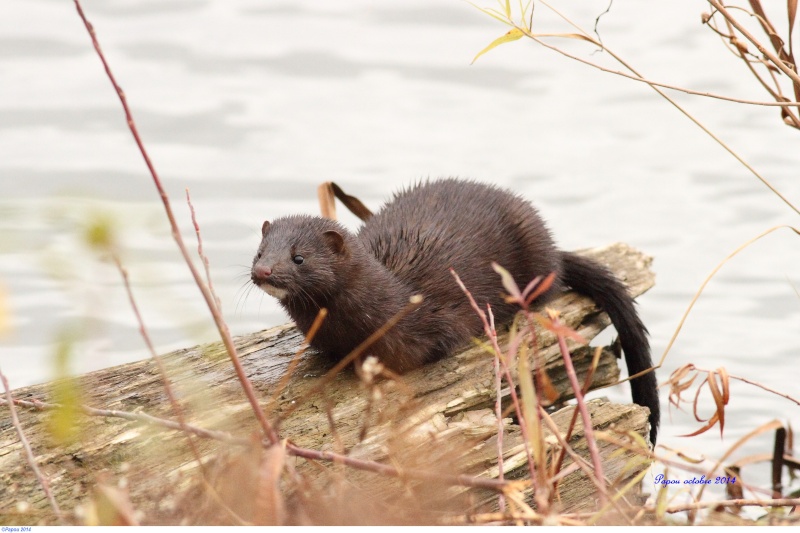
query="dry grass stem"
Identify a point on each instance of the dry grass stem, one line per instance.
(780, 502)
(708, 279)
(176, 406)
(524, 28)
(29, 456)
(202, 254)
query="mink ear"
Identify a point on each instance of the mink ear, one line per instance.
(335, 241)
(264, 228)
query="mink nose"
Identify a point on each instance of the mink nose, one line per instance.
(261, 271)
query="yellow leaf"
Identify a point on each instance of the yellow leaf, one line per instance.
(512, 35)
(4, 314)
(63, 421)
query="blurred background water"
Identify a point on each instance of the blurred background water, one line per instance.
(251, 104)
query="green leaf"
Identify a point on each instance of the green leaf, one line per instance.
(512, 35)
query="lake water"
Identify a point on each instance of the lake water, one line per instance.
(251, 105)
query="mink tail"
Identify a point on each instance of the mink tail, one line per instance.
(593, 280)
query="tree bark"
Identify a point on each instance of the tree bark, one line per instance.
(450, 399)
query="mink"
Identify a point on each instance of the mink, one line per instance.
(408, 247)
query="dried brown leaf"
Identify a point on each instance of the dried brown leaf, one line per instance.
(546, 389)
(353, 204)
(678, 385)
(508, 282)
(690, 460)
(696, 400)
(709, 425)
(559, 329)
(538, 287)
(717, 396)
(679, 374)
(327, 203)
(726, 384)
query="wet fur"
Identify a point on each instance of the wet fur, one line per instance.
(408, 248)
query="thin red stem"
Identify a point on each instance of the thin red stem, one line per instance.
(382, 468)
(498, 409)
(588, 429)
(222, 327)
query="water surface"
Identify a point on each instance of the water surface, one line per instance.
(250, 105)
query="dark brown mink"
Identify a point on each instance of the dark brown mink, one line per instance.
(407, 248)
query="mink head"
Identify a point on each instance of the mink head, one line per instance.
(301, 259)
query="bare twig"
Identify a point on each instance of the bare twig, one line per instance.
(769, 426)
(751, 382)
(585, 36)
(222, 327)
(572, 518)
(516, 518)
(586, 384)
(498, 409)
(361, 464)
(588, 429)
(764, 387)
(176, 406)
(740, 49)
(577, 459)
(200, 252)
(28, 451)
(381, 468)
(512, 390)
(134, 417)
(775, 60)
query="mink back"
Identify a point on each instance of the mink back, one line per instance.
(432, 227)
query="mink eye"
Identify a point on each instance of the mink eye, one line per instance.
(298, 259)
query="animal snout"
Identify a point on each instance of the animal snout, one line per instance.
(261, 272)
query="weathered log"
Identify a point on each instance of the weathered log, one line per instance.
(439, 402)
